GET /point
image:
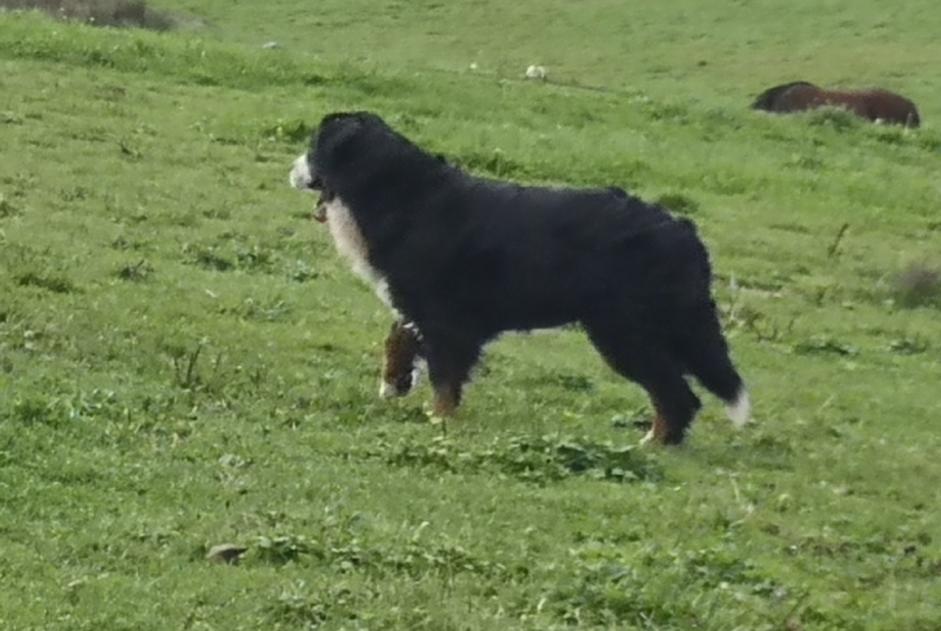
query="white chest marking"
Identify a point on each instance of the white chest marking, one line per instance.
(351, 244)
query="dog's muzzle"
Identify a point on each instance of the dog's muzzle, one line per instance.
(302, 179)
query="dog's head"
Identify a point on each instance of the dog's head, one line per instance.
(332, 144)
(356, 154)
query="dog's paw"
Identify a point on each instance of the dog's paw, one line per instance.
(387, 390)
(435, 418)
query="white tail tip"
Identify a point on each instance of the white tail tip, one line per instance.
(739, 411)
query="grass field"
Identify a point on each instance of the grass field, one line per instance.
(185, 362)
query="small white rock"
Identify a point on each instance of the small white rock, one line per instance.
(270, 45)
(536, 72)
(225, 553)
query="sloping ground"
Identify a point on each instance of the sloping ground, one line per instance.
(184, 362)
(719, 52)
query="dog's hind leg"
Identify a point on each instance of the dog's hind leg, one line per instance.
(643, 361)
(675, 406)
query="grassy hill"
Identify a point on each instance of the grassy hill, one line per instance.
(184, 361)
(680, 48)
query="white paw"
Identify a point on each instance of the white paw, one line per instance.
(739, 411)
(416, 374)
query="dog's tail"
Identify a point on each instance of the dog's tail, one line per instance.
(706, 354)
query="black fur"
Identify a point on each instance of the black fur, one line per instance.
(767, 100)
(467, 258)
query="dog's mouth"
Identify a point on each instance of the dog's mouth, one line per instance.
(304, 179)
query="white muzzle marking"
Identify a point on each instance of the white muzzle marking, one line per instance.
(300, 177)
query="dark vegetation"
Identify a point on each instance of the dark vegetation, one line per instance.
(116, 13)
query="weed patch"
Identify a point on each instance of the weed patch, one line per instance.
(535, 459)
(495, 163)
(300, 271)
(36, 411)
(910, 345)
(254, 258)
(8, 208)
(302, 606)
(563, 380)
(650, 588)
(345, 553)
(919, 284)
(824, 346)
(248, 258)
(679, 203)
(135, 272)
(208, 257)
(267, 310)
(834, 118)
(47, 281)
(294, 132)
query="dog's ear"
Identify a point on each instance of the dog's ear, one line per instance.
(617, 191)
(335, 133)
(338, 116)
(339, 123)
(327, 121)
(348, 119)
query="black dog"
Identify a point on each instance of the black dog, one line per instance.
(466, 258)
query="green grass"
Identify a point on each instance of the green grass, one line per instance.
(720, 53)
(184, 361)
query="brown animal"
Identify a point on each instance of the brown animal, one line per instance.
(874, 104)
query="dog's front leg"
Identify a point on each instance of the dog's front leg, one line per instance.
(400, 362)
